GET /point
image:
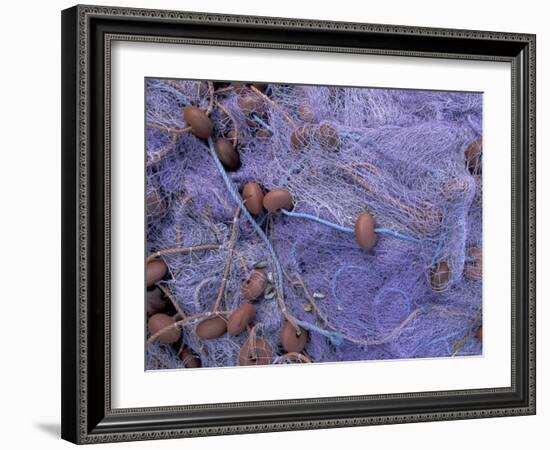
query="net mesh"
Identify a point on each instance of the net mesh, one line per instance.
(399, 154)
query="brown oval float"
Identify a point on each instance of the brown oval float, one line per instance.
(255, 285)
(439, 277)
(250, 103)
(156, 270)
(474, 269)
(211, 328)
(291, 340)
(253, 196)
(155, 302)
(364, 231)
(301, 137)
(260, 86)
(241, 318)
(159, 321)
(278, 199)
(473, 156)
(328, 136)
(479, 333)
(200, 123)
(255, 352)
(305, 113)
(189, 359)
(227, 154)
(155, 205)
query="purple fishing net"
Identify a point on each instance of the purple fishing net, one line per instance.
(402, 155)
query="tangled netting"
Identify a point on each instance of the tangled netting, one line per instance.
(400, 155)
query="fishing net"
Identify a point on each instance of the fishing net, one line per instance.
(401, 155)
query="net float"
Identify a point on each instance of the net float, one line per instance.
(278, 199)
(200, 123)
(291, 340)
(189, 359)
(211, 328)
(255, 285)
(227, 154)
(301, 137)
(155, 205)
(473, 269)
(156, 270)
(255, 352)
(155, 302)
(260, 86)
(328, 136)
(159, 321)
(241, 318)
(439, 277)
(479, 333)
(364, 231)
(305, 113)
(473, 156)
(253, 197)
(250, 103)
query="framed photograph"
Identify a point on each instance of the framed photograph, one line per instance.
(279, 224)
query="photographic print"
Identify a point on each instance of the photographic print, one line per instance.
(316, 203)
(297, 224)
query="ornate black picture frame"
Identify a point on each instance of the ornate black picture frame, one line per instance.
(87, 34)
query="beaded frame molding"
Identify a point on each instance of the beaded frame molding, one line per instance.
(87, 35)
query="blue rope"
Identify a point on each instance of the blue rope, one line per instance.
(319, 220)
(233, 192)
(350, 134)
(396, 234)
(259, 121)
(347, 229)
(334, 337)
